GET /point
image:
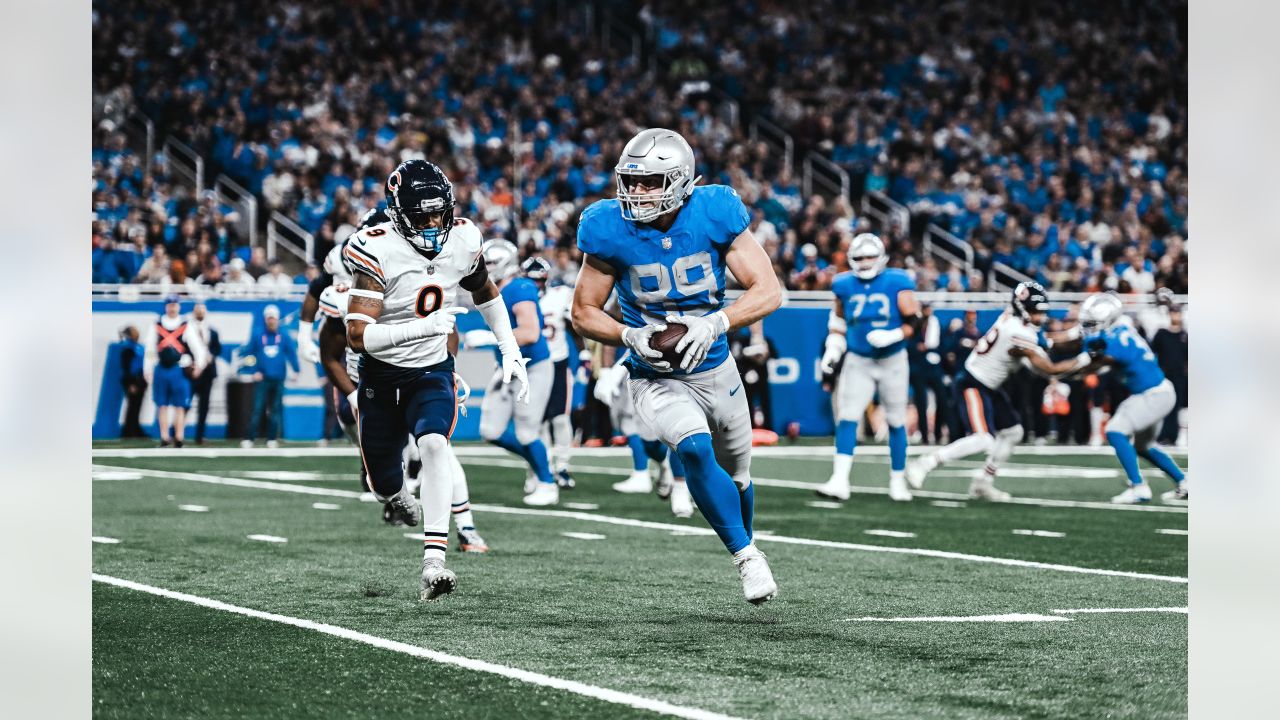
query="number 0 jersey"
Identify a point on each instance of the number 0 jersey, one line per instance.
(871, 305)
(412, 285)
(679, 271)
(990, 362)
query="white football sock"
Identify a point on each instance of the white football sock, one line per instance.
(841, 466)
(435, 490)
(561, 439)
(964, 447)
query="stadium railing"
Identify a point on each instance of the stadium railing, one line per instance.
(762, 129)
(230, 192)
(830, 176)
(283, 233)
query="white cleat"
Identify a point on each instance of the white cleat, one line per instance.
(681, 500)
(1133, 495)
(638, 484)
(1176, 496)
(530, 482)
(246, 444)
(757, 579)
(543, 494)
(898, 491)
(985, 490)
(272, 445)
(916, 473)
(437, 580)
(834, 489)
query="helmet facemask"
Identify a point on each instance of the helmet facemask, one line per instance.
(418, 226)
(867, 256)
(643, 207)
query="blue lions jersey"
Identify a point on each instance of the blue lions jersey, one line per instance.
(871, 305)
(1132, 356)
(524, 290)
(676, 272)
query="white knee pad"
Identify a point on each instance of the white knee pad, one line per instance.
(1012, 435)
(432, 444)
(1120, 423)
(491, 430)
(895, 414)
(526, 435)
(742, 480)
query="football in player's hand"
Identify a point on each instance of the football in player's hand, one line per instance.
(665, 342)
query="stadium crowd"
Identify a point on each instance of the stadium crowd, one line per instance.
(1058, 148)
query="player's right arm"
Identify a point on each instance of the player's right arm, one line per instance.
(836, 343)
(595, 284)
(333, 347)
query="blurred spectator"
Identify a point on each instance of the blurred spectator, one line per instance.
(275, 283)
(155, 269)
(237, 281)
(925, 359)
(1171, 349)
(271, 353)
(133, 380)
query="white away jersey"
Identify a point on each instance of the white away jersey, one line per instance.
(413, 286)
(990, 362)
(555, 304)
(333, 304)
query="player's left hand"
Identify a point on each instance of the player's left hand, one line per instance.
(884, 338)
(703, 331)
(513, 367)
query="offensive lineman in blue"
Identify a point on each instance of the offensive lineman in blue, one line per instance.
(500, 406)
(665, 244)
(875, 313)
(1111, 341)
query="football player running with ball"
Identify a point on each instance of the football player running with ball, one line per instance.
(400, 314)
(665, 245)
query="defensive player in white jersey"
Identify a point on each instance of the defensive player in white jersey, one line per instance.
(400, 314)
(555, 302)
(993, 424)
(342, 369)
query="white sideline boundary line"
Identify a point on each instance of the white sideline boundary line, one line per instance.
(787, 451)
(527, 676)
(650, 525)
(1182, 610)
(860, 489)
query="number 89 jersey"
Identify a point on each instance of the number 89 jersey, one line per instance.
(679, 271)
(871, 305)
(412, 285)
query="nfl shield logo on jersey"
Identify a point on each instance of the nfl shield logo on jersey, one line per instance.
(666, 243)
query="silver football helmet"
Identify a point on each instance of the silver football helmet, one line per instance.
(654, 153)
(501, 259)
(867, 256)
(1100, 312)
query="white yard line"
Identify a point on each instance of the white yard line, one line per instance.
(1039, 533)
(100, 475)
(1171, 531)
(105, 540)
(890, 533)
(629, 522)
(194, 508)
(1010, 617)
(1181, 610)
(268, 538)
(581, 506)
(326, 506)
(824, 504)
(583, 536)
(533, 678)
(947, 504)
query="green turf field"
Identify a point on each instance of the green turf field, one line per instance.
(646, 618)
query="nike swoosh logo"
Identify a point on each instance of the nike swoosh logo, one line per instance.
(734, 391)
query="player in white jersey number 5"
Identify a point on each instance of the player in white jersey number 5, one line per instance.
(993, 424)
(664, 244)
(401, 312)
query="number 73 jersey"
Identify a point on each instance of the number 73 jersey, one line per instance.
(679, 271)
(871, 305)
(412, 285)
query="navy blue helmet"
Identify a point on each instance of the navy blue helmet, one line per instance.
(417, 191)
